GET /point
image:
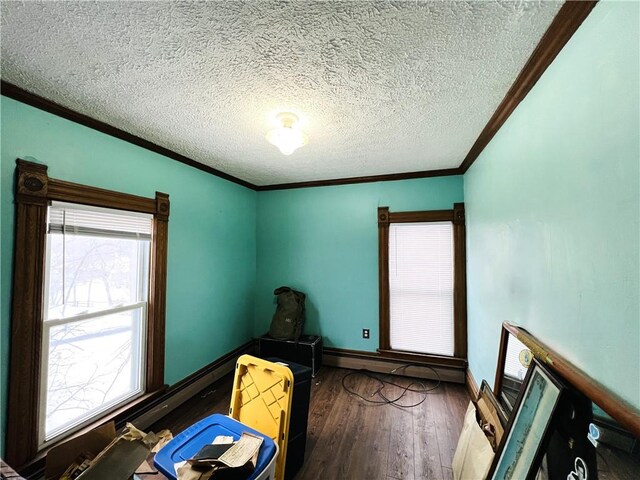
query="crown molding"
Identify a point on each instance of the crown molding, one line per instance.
(366, 179)
(564, 25)
(12, 91)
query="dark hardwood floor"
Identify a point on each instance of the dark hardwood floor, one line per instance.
(350, 439)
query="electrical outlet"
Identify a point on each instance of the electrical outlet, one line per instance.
(365, 333)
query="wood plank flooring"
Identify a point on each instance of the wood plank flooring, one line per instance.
(350, 439)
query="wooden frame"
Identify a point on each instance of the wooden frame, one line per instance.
(619, 409)
(488, 394)
(536, 455)
(499, 384)
(456, 216)
(502, 358)
(34, 191)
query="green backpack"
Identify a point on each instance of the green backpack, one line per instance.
(289, 317)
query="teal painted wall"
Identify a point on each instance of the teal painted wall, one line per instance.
(553, 224)
(212, 236)
(324, 242)
(553, 229)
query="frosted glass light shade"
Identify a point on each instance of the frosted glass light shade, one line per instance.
(288, 137)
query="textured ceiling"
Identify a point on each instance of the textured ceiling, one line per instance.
(381, 87)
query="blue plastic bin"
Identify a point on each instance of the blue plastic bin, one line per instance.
(189, 442)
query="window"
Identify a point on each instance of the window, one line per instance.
(422, 294)
(95, 313)
(421, 287)
(87, 321)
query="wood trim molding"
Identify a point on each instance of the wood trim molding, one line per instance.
(459, 281)
(35, 467)
(423, 216)
(33, 192)
(75, 193)
(383, 278)
(376, 362)
(472, 386)
(32, 183)
(423, 358)
(250, 347)
(457, 217)
(150, 408)
(566, 22)
(12, 91)
(158, 292)
(150, 412)
(26, 312)
(619, 409)
(445, 172)
(564, 25)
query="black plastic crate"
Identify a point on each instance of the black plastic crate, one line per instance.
(307, 351)
(298, 416)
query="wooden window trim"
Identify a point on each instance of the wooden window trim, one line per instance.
(457, 217)
(34, 190)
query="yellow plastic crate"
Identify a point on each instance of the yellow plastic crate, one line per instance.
(261, 399)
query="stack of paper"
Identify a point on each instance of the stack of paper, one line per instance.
(222, 459)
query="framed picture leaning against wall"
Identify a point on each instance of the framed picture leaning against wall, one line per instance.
(522, 448)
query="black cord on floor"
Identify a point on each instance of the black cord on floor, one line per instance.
(384, 382)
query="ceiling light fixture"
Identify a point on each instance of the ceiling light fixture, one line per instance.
(287, 137)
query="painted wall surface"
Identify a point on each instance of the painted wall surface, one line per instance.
(212, 239)
(324, 242)
(553, 229)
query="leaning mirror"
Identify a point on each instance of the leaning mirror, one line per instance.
(514, 359)
(617, 449)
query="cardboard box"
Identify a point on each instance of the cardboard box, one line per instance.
(60, 457)
(114, 457)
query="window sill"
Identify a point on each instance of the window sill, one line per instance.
(123, 414)
(437, 360)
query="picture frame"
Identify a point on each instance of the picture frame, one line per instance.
(488, 394)
(522, 448)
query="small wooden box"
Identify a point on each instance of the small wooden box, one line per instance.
(307, 351)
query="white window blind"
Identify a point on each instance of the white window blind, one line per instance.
(421, 287)
(105, 222)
